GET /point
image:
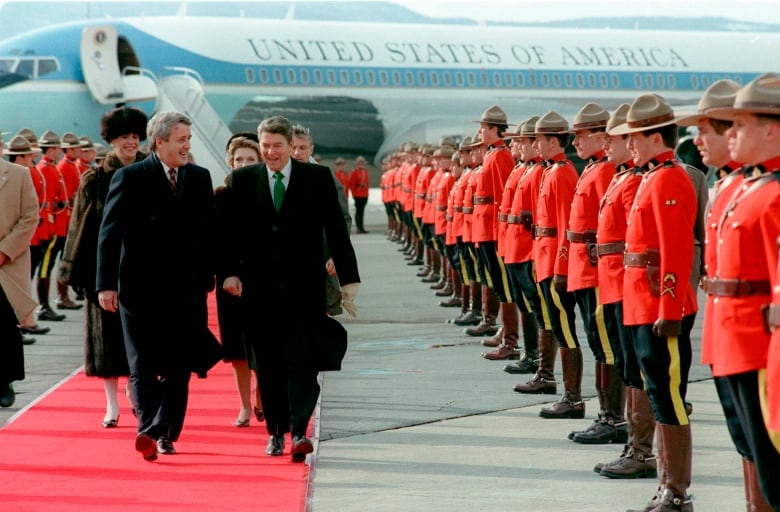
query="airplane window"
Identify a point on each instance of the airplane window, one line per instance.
(615, 81)
(396, 78)
(249, 73)
(370, 78)
(26, 67)
(545, 80)
(264, 75)
(496, 79)
(46, 66)
(358, 77)
(603, 80)
(383, 77)
(305, 76)
(671, 81)
(331, 77)
(447, 79)
(459, 78)
(568, 80)
(580, 80)
(6, 65)
(508, 79)
(421, 78)
(277, 75)
(472, 79)
(291, 76)
(556, 80)
(660, 82)
(637, 81)
(649, 81)
(317, 76)
(694, 82)
(344, 77)
(705, 81)
(591, 80)
(409, 79)
(520, 80)
(484, 79)
(532, 80)
(435, 78)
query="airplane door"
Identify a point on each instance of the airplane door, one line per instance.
(100, 65)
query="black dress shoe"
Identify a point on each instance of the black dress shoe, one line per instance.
(27, 340)
(66, 303)
(7, 395)
(259, 414)
(275, 446)
(46, 313)
(300, 448)
(146, 446)
(165, 446)
(34, 329)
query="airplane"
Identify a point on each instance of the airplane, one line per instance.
(361, 87)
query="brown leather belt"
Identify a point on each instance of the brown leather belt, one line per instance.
(736, 287)
(420, 196)
(502, 217)
(513, 219)
(581, 238)
(483, 200)
(448, 218)
(458, 209)
(441, 208)
(540, 231)
(641, 259)
(468, 209)
(610, 248)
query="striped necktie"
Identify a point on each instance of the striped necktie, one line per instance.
(172, 178)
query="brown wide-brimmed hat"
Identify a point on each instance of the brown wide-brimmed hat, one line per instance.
(493, 115)
(86, 143)
(552, 123)
(719, 95)
(20, 146)
(340, 160)
(465, 143)
(618, 117)
(647, 112)
(49, 139)
(70, 140)
(761, 96)
(526, 129)
(591, 117)
(444, 152)
(29, 135)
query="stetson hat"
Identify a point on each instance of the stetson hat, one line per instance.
(525, 129)
(444, 152)
(493, 115)
(465, 143)
(20, 146)
(427, 149)
(448, 141)
(29, 135)
(49, 139)
(591, 117)
(360, 160)
(86, 143)
(721, 94)
(100, 150)
(410, 147)
(761, 96)
(512, 131)
(69, 140)
(618, 117)
(552, 123)
(340, 160)
(647, 112)
(476, 140)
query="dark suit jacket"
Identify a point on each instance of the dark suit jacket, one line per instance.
(279, 256)
(156, 248)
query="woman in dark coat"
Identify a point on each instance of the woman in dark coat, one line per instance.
(104, 349)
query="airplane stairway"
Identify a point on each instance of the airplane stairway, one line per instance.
(182, 91)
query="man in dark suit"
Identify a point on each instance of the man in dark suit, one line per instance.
(155, 267)
(280, 271)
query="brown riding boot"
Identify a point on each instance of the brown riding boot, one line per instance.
(498, 338)
(529, 357)
(490, 309)
(510, 330)
(543, 381)
(612, 427)
(659, 439)
(600, 394)
(753, 494)
(458, 296)
(629, 442)
(570, 405)
(473, 306)
(637, 460)
(677, 467)
(444, 280)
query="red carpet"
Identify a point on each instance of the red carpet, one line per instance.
(57, 457)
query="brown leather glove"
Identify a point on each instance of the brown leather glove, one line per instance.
(667, 328)
(560, 282)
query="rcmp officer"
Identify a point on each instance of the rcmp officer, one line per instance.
(359, 184)
(57, 197)
(551, 252)
(590, 137)
(660, 304)
(637, 459)
(712, 142)
(69, 170)
(746, 256)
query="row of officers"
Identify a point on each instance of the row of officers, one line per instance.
(512, 230)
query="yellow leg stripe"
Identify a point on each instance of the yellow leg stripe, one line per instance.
(504, 278)
(774, 435)
(601, 325)
(47, 257)
(675, 378)
(463, 270)
(417, 227)
(545, 312)
(568, 337)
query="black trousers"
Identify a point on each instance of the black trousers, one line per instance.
(36, 255)
(744, 393)
(560, 309)
(487, 255)
(360, 209)
(11, 348)
(526, 293)
(599, 328)
(626, 363)
(665, 363)
(50, 253)
(733, 424)
(289, 397)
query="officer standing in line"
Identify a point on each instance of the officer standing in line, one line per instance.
(68, 168)
(660, 304)
(551, 253)
(589, 140)
(359, 184)
(747, 260)
(637, 459)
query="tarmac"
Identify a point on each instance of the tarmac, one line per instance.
(418, 421)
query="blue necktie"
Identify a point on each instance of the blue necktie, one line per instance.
(278, 191)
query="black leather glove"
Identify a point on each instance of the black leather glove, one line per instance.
(560, 282)
(667, 328)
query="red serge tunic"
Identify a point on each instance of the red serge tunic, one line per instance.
(556, 192)
(662, 219)
(584, 218)
(613, 216)
(506, 204)
(519, 238)
(488, 189)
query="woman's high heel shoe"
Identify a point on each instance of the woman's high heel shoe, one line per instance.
(111, 423)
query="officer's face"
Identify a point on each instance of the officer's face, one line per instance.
(276, 150)
(588, 143)
(713, 146)
(642, 147)
(527, 149)
(617, 149)
(174, 149)
(488, 133)
(748, 138)
(546, 146)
